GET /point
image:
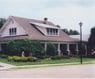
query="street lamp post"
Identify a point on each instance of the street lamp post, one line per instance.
(80, 24)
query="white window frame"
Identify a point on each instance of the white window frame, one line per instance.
(52, 32)
(12, 31)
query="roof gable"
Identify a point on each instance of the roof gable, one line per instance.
(11, 23)
(34, 34)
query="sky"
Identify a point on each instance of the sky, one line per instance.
(66, 13)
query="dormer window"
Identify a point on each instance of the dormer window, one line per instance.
(12, 31)
(52, 32)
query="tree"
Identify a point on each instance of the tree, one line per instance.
(2, 21)
(51, 49)
(66, 31)
(16, 47)
(75, 32)
(36, 49)
(71, 32)
(11, 45)
(91, 40)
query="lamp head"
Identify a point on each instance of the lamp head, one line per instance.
(80, 24)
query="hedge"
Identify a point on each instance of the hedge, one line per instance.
(21, 58)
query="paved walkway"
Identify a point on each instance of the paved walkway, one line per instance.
(71, 71)
(4, 66)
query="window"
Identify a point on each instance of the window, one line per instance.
(12, 31)
(47, 31)
(52, 32)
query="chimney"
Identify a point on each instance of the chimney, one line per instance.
(58, 26)
(45, 20)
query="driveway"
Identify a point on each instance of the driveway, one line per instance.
(79, 71)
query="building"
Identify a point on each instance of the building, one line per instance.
(84, 41)
(42, 30)
(84, 37)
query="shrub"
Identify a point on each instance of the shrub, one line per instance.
(3, 56)
(34, 58)
(51, 49)
(37, 49)
(16, 58)
(30, 58)
(25, 45)
(56, 57)
(21, 59)
(59, 57)
(10, 58)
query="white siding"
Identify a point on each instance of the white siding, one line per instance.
(43, 30)
(13, 24)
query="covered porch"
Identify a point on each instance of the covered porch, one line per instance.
(66, 49)
(63, 48)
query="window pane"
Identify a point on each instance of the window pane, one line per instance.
(12, 31)
(51, 31)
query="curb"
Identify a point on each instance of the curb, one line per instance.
(43, 65)
(50, 65)
(5, 68)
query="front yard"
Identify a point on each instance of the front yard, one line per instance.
(50, 61)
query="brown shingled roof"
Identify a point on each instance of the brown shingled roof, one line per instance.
(34, 34)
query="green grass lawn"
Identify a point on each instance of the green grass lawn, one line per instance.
(49, 61)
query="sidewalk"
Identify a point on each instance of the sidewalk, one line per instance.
(71, 71)
(8, 66)
(4, 66)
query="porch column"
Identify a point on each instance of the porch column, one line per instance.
(59, 51)
(77, 50)
(85, 50)
(0, 48)
(45, 48)
(68, 49)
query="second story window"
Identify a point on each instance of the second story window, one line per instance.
(12, 31)
(52, 32)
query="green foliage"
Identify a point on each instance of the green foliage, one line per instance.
(36, 48)
(30, 58)
(59, 57)
(19, 45)
(16, 58)
(33, 59)
(12, 46)
(71, 32)
(26, 45)
(3, 56)
(91, 40)
(66, 31)
(22, 58)
(56, 57)
(2, 21)
(10, 58)
(93, 31)
(50, 61)
(51, 49)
